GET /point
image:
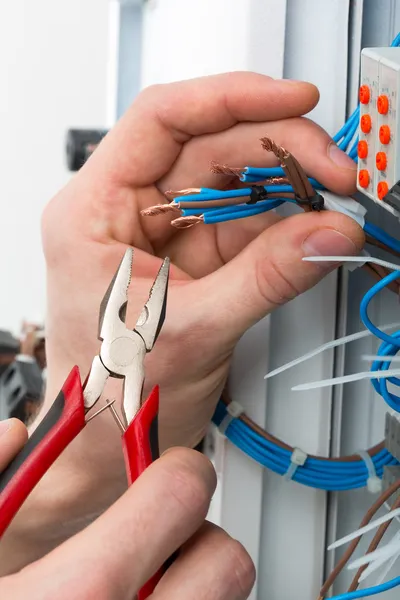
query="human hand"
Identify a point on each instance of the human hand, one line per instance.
(164, 510)
(223, 278)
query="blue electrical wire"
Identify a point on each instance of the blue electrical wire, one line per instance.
(382, 236)
(368, 592)
(320, 473)
(382, 335)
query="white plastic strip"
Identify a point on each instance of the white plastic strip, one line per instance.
(297, 460)
(373, 358)
(388, 568)
(385, 553)
(314, 385)
(357, 259)
(363, 530)
(374, 484)
(328, 346)
(389, 561)
(233, 411)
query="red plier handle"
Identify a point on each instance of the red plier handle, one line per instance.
(62, 423)
(141, 448)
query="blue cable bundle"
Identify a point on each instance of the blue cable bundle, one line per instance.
(320, 473)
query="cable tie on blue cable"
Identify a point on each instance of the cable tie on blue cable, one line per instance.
(298, 459)
(258, 193)
(374, 483)
(233, 411)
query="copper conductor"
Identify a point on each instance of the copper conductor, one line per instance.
(186, 222)
(172, 194)
(277, 181)
(271, 146)
(225, 169)
(159, 209)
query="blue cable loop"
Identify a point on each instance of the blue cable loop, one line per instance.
(368, 592)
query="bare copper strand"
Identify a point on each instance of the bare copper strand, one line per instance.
(159, 209)
(271, 146)
(277, 181)
(225, 169)
(186, 222)
(172, 194)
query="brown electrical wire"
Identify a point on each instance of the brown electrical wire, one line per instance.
(293, 171)
(372, 547)
(353, 545)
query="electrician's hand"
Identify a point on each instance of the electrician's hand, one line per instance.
(111, 559)
(223, 279)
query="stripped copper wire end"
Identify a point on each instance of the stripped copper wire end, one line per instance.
(159, 209)
(186, 222)
(277, 181)
(172, 194)
(270, 146)
(219, 169)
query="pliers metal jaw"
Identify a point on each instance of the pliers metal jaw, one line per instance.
(123, 350)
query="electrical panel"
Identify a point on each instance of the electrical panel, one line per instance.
(379, 139)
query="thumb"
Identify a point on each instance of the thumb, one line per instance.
(270, 271)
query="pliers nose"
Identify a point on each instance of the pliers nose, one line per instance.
(123, 350)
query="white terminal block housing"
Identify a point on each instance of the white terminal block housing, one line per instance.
(379, 126)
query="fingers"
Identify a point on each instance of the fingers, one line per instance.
(270, 271)
(13, 436)
(120, 551)
(213, 566)
(240, 146)
(147, 141)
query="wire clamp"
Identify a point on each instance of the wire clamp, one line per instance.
(258, 193)
(316, 202)
(374, 483)
(233, 411)
(298, 459)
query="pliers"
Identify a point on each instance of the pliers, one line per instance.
(122, 356)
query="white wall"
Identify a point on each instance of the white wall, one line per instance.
(53, 66)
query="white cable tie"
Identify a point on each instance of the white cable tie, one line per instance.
(233, 411)
(328, 346)
(353, 265)
(297, 460)
(384, 553)
(374, 483)
(381, 358)
(389, 566)
(388, 560)
(314, 385)
(370, 527)
(356, 259)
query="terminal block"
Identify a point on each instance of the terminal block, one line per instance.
(379, 127)
(391, 474)
(392, 435)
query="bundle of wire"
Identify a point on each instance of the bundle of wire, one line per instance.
(268, 189)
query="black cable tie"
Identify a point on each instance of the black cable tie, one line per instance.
(258, 193)
(316, 202)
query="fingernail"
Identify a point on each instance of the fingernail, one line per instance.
(5, 426)
(340, 158)
(329, 242)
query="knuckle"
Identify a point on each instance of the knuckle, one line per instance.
(273, 285)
